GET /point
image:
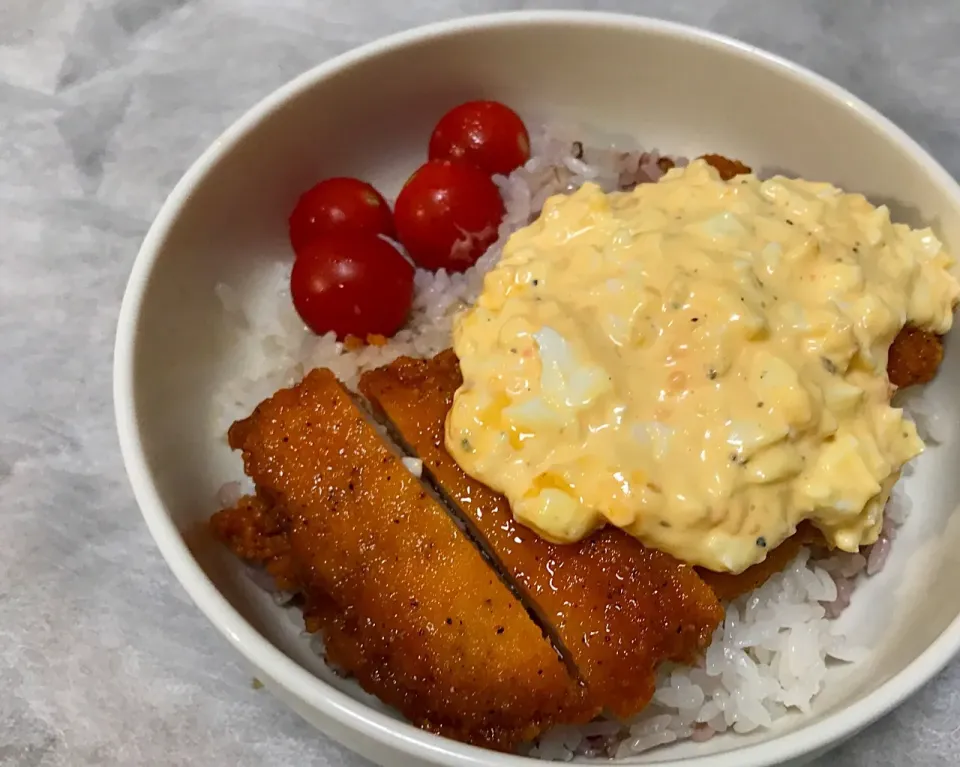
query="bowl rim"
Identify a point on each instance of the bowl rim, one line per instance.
(806, 740)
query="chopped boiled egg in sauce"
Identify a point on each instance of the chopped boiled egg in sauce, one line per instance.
(699, 362)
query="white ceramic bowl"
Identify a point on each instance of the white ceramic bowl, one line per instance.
(369, 113)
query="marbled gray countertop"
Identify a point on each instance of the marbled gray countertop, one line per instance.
(103, 104)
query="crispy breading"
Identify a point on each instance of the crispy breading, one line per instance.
(252, 530)
(619, 608)
(422, 620)
(915, 357)
(725, 166)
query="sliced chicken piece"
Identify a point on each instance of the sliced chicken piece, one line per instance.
(619, 608)
(405, 601)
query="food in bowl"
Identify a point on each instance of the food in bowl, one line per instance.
(699, 362)
(430, 588)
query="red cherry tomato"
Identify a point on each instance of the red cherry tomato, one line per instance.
(485, 133)
(352, 284)
(339, 205)
(447, 215)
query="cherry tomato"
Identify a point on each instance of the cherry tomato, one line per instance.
(352, 284)
(339, 205)
(447, 215)
(485, 133)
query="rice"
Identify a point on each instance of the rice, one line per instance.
(771, 653)
(414, 466)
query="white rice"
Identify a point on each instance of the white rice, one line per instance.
(414, 466)
(770, 655)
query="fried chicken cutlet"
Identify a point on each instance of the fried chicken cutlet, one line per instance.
(618, 608)
(258, 530)
(405, 601)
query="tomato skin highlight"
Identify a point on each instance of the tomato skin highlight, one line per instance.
(448, 214)
(339, 205)
(487, 134)
(352, 284)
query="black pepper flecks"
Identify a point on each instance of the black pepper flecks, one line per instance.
(577, 150)
(762, 542)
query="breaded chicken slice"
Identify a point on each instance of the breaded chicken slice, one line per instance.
(420, 617)
(619, 608)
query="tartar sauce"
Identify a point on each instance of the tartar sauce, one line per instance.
(699, 362)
